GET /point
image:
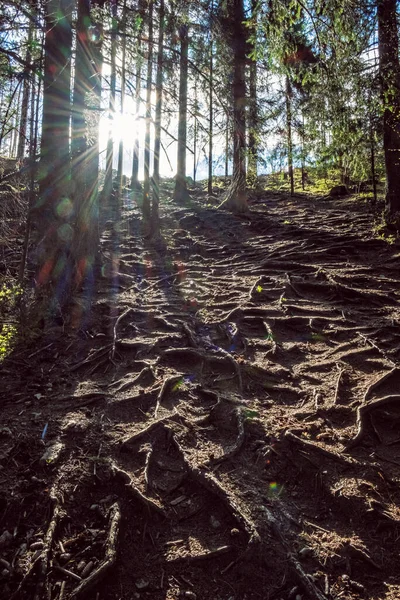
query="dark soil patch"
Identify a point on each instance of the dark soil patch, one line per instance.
(207, 419)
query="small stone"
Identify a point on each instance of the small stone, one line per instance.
(94, 507)
(215, 524)
(306, 552)
(190, 595)
(142, 584)
(52, 454)
(345, 578)
(234, 532)
(5, 573)
(298, 597)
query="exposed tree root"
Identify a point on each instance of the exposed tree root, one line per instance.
(132, 439)
(362, 412)
(315, 447)
(374, 386)
(207, 480)
(237, 446)
(305, 580)
(122, 386)
(110, 555)
(204, 355)
(137, 494)
(165, 388)
(372, 343)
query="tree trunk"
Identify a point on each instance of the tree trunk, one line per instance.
(227, 147)
(236, 199)
(85, 158)
(210, 122)
(181, 194)
(146, 210)
(253, 111)
(195, 127)
(54, 209)
(289, 133)
(120, 169)
(157, 130)
(108, 179)
(135, 185)
(389, 68)
(25, 97)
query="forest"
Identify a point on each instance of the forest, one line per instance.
(199, 299)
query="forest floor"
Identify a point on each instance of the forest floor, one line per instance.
(224, 425)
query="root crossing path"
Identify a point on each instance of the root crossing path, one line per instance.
(224, 425)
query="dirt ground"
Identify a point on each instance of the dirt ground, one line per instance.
(224, 423)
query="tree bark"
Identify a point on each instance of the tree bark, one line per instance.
(236, 199)
(146, 209)
(54, 209)
(210, 117)
(181, 194)
(108, 180)
(253, 110)
(120, 168)
(155, 218)
(389, 68)
(25, 97)
(288, 97)
(85, 156)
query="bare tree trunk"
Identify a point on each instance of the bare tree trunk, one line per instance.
(15, 132)
(389, 68)
(181, 193)
(236, 199)
(195, 126)
(85, 158)
(227, 136)
(54, 209)
(210, 117)
(146, 210)
(123, 84)
(253, 112)
(108, 180)
(155, 218)
(289, 133)
(25, 97)
(135, 185)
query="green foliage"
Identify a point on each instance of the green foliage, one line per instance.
(9, 295)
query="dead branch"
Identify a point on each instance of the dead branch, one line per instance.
(110, 554)
(203, 557)
(306, 581)
(117, 322)
(337, 388)
(372, 343)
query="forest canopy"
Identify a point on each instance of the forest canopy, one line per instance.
(101, 100)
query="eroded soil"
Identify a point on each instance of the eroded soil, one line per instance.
(224, 424)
